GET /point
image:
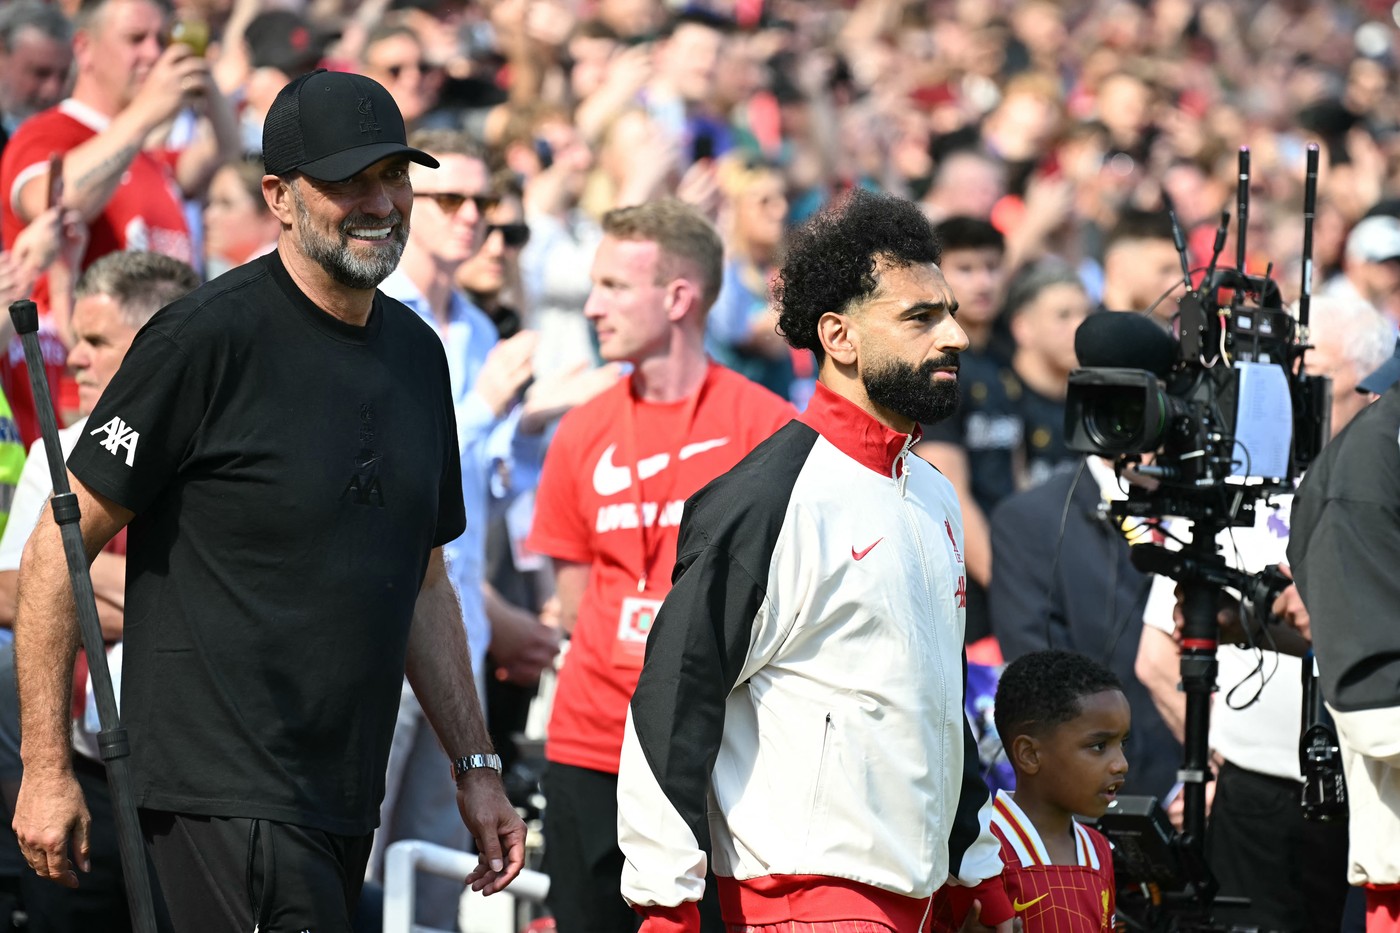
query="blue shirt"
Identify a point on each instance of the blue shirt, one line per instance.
(499, 461)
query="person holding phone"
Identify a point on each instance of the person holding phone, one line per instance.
(127, 84)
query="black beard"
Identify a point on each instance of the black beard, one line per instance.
(912, 391)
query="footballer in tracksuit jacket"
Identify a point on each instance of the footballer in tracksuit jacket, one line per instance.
(798, 726)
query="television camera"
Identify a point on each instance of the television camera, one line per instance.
(1214, 418)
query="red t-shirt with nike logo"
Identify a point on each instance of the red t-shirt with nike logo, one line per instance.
(587, 511)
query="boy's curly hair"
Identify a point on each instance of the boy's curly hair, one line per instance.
(831, 259)
(1041, 690)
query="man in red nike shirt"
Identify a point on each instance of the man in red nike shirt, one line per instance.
(609, 504)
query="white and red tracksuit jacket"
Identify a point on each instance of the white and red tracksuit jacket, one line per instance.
(799, 725)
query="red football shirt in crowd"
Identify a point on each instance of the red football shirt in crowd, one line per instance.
(587, 511)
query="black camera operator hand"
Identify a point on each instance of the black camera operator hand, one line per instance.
(1285, 630)
(1289, 608)
(1227, 616)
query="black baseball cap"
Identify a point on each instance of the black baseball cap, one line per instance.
(332, 125)
(1384, 377)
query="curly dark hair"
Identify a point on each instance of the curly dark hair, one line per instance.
(831, 259)
(1041, 690)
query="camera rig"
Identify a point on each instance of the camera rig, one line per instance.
(1217, 417)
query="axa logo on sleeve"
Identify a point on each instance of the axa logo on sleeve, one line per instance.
(120, 436)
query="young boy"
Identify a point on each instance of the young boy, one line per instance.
(1062, 719)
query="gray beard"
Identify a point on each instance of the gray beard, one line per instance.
(338, 259)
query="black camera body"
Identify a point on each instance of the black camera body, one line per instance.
(1194, 413)
(1217, 414)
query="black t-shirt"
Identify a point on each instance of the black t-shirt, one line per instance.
(1013, 435)
(290, 474)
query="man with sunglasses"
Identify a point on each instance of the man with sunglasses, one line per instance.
(394, 56)
(502, 450)
(491, 278)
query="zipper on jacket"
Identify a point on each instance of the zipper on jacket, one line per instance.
(911, 516)
(899, 470)
(817, 784)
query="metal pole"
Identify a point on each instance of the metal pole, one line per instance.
(111, 741)
(405, 858)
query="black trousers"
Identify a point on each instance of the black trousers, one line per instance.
(216, 875)
(583, 860)
(1260, 847)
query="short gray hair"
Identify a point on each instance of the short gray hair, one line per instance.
(446, 142)
(141, 283)
(1366, 337)
(32, 14)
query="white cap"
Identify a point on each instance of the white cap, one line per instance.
(1375, 239)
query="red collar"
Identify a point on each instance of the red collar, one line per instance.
(855, 432)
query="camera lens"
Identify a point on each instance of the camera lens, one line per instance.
(1116, 423)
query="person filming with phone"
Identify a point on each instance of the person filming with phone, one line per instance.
(128, 84)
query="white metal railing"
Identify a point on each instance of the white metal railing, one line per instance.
(404, 859)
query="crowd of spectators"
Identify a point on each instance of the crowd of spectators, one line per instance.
(1045, 139)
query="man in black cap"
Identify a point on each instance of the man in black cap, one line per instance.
(281, 443)
(1385, 375)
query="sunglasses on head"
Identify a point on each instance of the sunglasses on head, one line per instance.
(450, 202)
(514, 235)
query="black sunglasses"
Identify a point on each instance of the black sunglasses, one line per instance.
(421, 67)
(450, 202)
(514, 235)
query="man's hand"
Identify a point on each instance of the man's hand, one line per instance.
(50, 818)
(178, 78)
(1289, 607)
(552, 396)
(521, 646)
(497, 828)
(1227, 617)
(506, 370)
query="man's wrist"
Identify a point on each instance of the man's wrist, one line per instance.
(49, 763)
(468, 764)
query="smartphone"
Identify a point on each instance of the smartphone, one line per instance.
(191, 31)
(55, 179)
(544, 152)
(703, 147)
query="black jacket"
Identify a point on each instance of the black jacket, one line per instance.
(1093, 604)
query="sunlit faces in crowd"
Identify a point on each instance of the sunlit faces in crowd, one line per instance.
(688, 60)
(758, 201)
(101, 337)
(394, 56)
(33, 72)
(118, 44)
(237, 223)
(627, 304)
(1045, 322)
(451, 203)
(495, 265)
